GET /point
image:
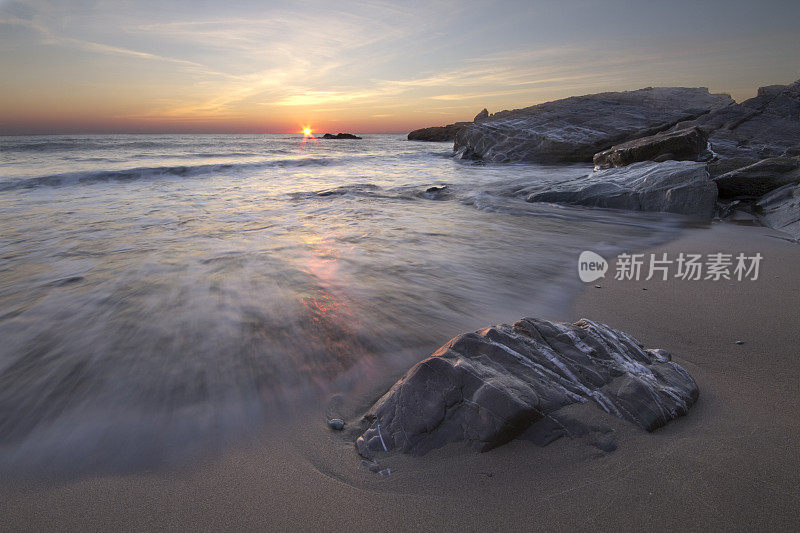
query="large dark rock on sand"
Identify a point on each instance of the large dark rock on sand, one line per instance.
(574, 129)
(689, 144)
(488, 387)
(780, 209)
(682, 187)
(759, 178)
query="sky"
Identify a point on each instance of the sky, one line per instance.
(364, 66)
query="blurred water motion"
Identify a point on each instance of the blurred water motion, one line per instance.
(163, 295)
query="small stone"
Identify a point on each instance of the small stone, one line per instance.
(644, 288)
(336, 424)
(739, 342)
(597, 287)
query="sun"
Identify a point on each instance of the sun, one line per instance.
(306, 131)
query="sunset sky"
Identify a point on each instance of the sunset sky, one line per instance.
(234, 66)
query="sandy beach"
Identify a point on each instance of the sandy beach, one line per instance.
(732, 463)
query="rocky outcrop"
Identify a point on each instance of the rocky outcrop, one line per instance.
(780, 209)
(574, 129)
(759, 178)
(488, 387)
(682, 145)
(767, 125)
(681, 187)
(340, 136)
(437, 133)
(444, 133)
(483, 115)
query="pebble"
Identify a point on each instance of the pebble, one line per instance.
(739, 342)
(597, 287)
(336, 423)
(644, 288)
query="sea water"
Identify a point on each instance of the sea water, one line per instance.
(160, 294)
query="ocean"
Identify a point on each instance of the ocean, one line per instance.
(165, 295)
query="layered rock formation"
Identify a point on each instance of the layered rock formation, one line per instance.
(757, 179)
(574, 129)
(780, 209)
(636, 138)
(445, 133)
(761, 127)
(488, 387)
(682, 187)
(437, 133)
(681, 145)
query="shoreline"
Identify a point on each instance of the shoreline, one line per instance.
(705, 469)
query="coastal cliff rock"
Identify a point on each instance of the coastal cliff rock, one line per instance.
(686, 144)
(759, 178)
(488, 387)
(767, 125)
(444, 133)
(437, 133)
(574, 129)
(484, 114)
(681, 187)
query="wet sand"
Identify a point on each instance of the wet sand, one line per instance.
(732, 463)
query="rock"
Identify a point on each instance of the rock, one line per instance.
(437, 133)
(780, 209)
(721, 166)
(686, 144)
(336, 424)
(740, 342)
(681, 187)
(340, 136)
(767, 125)
(488, 387)
(759, 178)
(574, 129)
(482, 115)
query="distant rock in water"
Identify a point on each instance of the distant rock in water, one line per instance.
(574, 129)
(340, 136)
(437, 133)
(488, 387)
(682, 187)
(682, 145)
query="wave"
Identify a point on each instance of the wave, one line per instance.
(50, 145)
(145, 173)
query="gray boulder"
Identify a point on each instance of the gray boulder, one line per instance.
(681, 187)
(759, 178)
(574, 129)
(686, 144)
(488, 387)
(780, 209)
